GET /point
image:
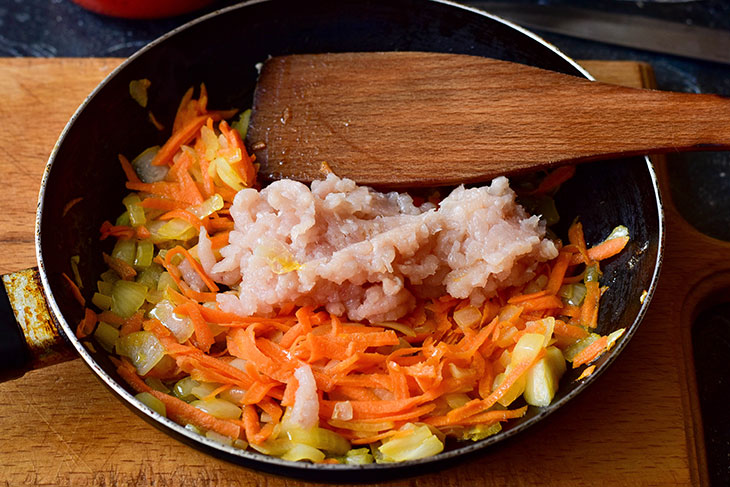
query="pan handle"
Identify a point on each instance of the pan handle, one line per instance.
(30, 338)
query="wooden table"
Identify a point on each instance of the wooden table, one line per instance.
(60, 426)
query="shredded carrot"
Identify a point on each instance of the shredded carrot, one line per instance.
(124, 270)
(161, 204)
(557, 275)
(87, 324)
(194, 263)
(183, 215)
(567, 330)
(75, 291)
(554, 179)
(586, 372)
(203, 335)
(370, 379)
(602, 251)
(589, 309)
(128, 170)
(132, 324)
(184, 135)
(67, 207)
(591, 352)
(142, 232)
(111, 318)
(119, 231)
(576, 238)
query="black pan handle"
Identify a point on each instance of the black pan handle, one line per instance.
(30, 338)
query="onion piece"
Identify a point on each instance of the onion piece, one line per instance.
(180, 326)
(127, 297)
(145, 170)
(142, 348)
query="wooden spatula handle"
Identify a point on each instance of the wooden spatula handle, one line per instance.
(409, 118)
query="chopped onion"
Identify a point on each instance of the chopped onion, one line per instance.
(401, 327)
(219, 438)
(180, 326)
(145, 170)
(210, 142)
(102, 301)
(152, 402)
(157, 384)
(127, 297)
(204, 389)
(573, 293)
(183, 389)
(578, 346)
(150, 275)
(207, 207)
(241, 123)
(137, 216)
(456, 400)
(218, 408)
(319, 438)
(142, 348)
(619, 231)
(174, 229)
(467, 317)
(138, 90)
(420, 443)
(613, 338)
(145, 253)
(299, 452)
(359, 456)
(234, 395)
(228, 174)
(342, 411)
(125, 249)
(106, 335)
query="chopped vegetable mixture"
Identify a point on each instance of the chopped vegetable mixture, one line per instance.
(306, 385)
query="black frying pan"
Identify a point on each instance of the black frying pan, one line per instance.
(221, 50)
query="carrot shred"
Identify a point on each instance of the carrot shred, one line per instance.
(87, 324)
(182, 136)
(119, 231)
(132, 324)
(129, 170)
(67, 207)
(591, 352)
(380, 377)
(183, 215)
(74, 288)
(203, 334)
(124, 270)
(554, 179)
(589, 308)
(602, 251)
(557, 274)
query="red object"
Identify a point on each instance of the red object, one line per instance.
(142, 9)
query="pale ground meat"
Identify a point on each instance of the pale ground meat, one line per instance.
(369, 255)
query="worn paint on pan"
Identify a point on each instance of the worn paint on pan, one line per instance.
(42, 335)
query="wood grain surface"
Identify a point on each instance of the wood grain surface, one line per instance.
(393, 118)
(638, 424)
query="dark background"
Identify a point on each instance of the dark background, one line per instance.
(700, 183)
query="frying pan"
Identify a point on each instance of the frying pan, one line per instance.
(221, 50)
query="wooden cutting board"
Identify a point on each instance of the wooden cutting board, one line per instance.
(639, 424)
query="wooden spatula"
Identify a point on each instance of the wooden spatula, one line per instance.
(412, 118)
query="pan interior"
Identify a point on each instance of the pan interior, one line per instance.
(222, 51)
